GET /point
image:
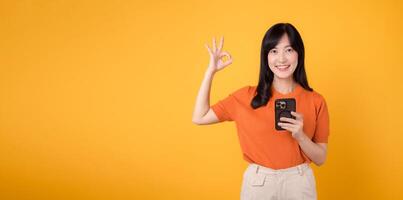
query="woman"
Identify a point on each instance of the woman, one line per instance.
(278, 158)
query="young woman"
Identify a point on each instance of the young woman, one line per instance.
(278, 159)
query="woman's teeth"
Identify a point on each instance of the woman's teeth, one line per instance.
(283, 67)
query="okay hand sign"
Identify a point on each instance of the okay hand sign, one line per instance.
(216, 55)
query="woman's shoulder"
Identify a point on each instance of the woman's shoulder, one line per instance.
(244, 91)
(316, 97)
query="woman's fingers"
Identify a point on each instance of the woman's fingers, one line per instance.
(208, 49)
(286, 119)
(229, 61)
(216, 54)
(221, 44)
(214, 46)
(224, 53)
(214, 49)
(287, 126)
(297, 115)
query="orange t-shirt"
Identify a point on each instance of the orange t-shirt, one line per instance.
(260, 142)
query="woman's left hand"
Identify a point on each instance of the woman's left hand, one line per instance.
(295, 126)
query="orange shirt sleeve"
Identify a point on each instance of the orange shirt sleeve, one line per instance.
(322, 123)
(225, 108)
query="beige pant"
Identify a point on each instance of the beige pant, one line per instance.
(261, 183)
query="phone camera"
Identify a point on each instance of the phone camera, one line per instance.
(281, 104)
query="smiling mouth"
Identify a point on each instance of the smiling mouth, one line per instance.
(283, 67)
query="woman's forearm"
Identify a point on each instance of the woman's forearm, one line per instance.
(203, 97)
(314, 151)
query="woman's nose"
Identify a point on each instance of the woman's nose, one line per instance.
(282, 58)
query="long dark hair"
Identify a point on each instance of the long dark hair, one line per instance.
(266, 76)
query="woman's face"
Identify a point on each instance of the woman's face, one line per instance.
(283, 59)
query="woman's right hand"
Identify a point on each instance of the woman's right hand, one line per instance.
(216, 54)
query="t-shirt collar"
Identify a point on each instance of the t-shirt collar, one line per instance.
(298, 88)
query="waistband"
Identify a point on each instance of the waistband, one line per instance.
(299, 169)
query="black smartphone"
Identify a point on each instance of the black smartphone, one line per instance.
(283, 108)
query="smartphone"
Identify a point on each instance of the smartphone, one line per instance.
(283, 108)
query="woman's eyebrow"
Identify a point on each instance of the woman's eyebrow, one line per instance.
(284, 47)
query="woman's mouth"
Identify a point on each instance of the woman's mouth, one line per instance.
(283, 67)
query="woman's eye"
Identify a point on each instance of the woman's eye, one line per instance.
(289, 50)
(273, 51)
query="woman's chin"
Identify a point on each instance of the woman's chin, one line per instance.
(283, 75)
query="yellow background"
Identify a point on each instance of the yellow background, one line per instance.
(96, 97)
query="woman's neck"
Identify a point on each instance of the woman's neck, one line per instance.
(284, 86)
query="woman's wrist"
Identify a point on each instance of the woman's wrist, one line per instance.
(301, 138)
(209, 73)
